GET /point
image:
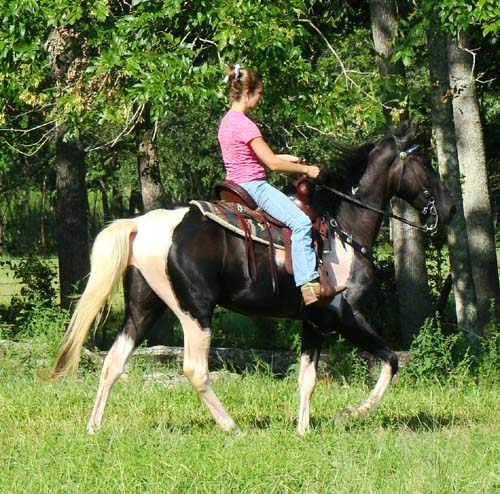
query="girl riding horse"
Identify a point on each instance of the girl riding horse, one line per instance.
(246, 154)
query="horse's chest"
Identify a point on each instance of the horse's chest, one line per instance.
(338, 261)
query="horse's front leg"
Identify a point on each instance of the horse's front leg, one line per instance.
(363, 335)
(311, 347)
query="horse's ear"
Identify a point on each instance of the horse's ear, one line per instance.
(406, 133)
(402, 128)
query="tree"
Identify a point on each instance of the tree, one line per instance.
(147, 161)
(472, 161)
(445, 143)
(409, 244)
(72, 203)
(154, 70)
(71, 229)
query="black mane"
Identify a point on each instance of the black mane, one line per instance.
(347, 166)
(344, 172)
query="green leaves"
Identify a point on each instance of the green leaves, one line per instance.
(318, 62)
(459, 15)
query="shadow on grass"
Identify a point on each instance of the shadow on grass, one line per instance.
(261, 423)
(418, 422)
(421, 422)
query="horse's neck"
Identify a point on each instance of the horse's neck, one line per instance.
(361, 223)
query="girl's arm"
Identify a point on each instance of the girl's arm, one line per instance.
(281, 163)
(289, 157)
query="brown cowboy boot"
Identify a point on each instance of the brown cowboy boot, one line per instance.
(311, 292)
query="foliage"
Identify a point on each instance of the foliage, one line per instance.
(37, 276)
(460, 15)
(346, 364)
(91, 66)
(27, 216)
(489, 354)
(317, 61)
(33, 313)
(122, 57)
(238, 331)
(41, 325)
(190, 153)
(436, 357)
(380, 308)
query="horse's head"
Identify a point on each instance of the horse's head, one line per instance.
(413, 180)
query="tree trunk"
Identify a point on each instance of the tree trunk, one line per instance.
(135, 206)
(106, 212)
(409, 245)
(152, 198)
(384, 24)
(43, 220)
(71, 217)
(147, 160)
(116, 203)
(445, 143)
(72, 207)
(472, 161)
(1, 235)
(411, 274)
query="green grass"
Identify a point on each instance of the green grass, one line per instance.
(156, 439)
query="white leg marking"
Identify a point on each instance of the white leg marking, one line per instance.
(150, 255)
(196, 347)
(371, 403)
(112, 369)
(307, 383)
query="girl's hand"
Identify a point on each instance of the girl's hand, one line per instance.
(313, 171)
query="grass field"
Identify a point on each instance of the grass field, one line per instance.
(160, 439)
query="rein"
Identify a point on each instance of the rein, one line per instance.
(430, 208)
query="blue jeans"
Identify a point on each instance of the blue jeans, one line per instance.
(278, 205)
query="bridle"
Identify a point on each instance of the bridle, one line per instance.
(429, 209)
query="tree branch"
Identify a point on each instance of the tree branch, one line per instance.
(127, 129)
(344, 71)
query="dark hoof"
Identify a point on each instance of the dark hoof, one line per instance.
(346, 417)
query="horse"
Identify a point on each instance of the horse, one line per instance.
(180, 259)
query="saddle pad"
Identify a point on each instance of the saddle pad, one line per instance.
(230, 215)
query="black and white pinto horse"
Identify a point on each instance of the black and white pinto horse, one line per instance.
(183, 260)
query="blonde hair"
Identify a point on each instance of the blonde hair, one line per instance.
(239, 79)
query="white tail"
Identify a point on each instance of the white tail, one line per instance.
(110, 255)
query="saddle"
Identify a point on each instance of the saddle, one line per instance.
(303, 193)
(236, 199)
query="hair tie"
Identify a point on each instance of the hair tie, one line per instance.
(237, 74)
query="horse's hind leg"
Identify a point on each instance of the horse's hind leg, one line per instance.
(111, 371)
(311, 347)
(143, 308)
(196, 348)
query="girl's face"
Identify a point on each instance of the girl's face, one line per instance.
(254, 98)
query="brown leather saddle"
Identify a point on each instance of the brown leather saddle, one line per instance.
(303, 197)
(235, 197)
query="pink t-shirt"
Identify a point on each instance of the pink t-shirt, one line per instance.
(236, 131)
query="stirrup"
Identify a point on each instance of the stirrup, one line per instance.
(313, 292)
